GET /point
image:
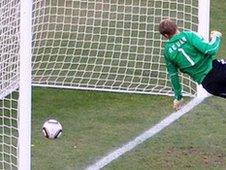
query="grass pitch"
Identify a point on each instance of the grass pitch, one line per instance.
(96, 123)
(196, 141)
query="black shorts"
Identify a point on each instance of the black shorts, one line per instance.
(215, 80)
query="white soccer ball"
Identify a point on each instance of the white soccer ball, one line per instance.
(52, 129)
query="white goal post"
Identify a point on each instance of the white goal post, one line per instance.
(24, 109)
(203, 29)
(15, 84)
(105, 45)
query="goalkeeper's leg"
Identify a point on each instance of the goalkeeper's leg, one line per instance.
(215, 81)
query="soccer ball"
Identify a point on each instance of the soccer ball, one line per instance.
(52, 129)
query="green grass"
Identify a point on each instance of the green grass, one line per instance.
(196, 141)
(96, 123)
(217, 21)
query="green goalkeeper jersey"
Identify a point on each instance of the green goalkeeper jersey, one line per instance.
(191, 54)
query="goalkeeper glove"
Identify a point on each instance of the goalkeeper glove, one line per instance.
(178, 104)
(215, 34)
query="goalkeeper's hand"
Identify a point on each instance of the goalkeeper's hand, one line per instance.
(215, 34)
(178, 104)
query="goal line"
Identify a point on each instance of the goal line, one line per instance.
(145, 135)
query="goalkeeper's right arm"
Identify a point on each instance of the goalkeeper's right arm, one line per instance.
(215, 34)
(210, 48)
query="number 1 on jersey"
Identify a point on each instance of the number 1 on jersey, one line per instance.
(186, 56)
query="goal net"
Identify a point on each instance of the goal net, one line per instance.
(9, 82)
(14, 90)
(109, 45)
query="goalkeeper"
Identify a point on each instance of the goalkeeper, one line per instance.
(189, 53)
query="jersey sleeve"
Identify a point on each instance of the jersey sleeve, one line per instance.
(174, 78)
(209, 48)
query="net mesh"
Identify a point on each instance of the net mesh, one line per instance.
(110, 45)
(9, 82)
(106, 44)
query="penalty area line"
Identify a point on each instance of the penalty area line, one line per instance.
(145, 135)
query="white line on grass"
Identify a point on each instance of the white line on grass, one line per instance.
(145, 135)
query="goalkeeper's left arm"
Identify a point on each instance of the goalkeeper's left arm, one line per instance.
(175, 81)
(178, 98)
